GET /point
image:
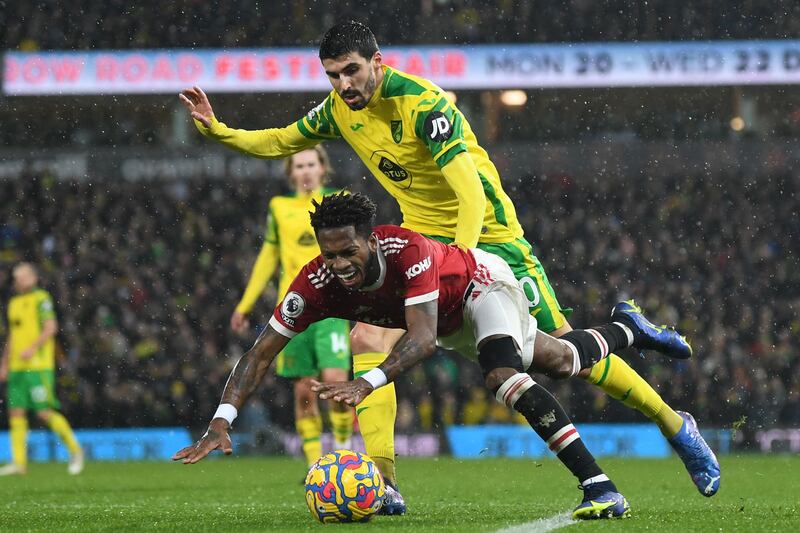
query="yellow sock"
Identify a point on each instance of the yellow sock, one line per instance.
(19, 440)
(59, 425)
(341, 425)
(622, 383)
(376, 415)
(310, 429)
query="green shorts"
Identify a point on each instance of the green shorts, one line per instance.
(325, 344)
(542, 301)
(32, 389)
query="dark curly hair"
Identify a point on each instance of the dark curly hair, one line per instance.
(350, 36)
(344, 209)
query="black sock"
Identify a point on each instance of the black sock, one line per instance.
(551, 423)
(595, 344)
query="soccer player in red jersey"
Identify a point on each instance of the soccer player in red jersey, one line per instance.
(468, 299)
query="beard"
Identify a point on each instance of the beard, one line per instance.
(369, 89)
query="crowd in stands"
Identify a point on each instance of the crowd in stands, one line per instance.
(145, 276)
(89, 24)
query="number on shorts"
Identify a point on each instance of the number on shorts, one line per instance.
(338, 342)
(39, 394)
(531, 291)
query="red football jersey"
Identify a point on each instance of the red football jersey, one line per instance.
(414, 269)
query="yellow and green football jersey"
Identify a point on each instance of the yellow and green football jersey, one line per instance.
(26, 315)
(289, 228)
(407, 132)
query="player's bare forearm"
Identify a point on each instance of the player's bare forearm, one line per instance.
(418, 342)
(252, 367)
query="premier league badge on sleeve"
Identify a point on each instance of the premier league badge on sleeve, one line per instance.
(293, 306)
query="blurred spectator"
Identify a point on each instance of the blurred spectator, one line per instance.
(91, 24)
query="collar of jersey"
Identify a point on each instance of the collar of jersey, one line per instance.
(382, 276)
(316, 193)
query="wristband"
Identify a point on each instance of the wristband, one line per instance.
(226, 411)
(376, 378)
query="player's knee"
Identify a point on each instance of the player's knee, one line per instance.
(44, 415)
(496, 377)
(497, 356)
(365, 338)
(559, 363)
(332, 375)
(303, 395)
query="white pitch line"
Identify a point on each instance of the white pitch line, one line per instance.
(541, 525)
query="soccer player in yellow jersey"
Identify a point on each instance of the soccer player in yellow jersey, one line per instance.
(422, 150)
(29, 366)
(321, 351)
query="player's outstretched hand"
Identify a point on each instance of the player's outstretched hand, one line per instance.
(216, 438)
(196, 102)
(239, 322)
(349, 392)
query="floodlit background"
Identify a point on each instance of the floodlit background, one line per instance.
(650, 149)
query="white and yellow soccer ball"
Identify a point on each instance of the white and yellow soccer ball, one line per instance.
(344, 486)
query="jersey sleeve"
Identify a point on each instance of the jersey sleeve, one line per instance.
(45, 308)
(299, 308)
(271, 231)
(318, 124)
(440, 125)
(419, 271)
(272, 143)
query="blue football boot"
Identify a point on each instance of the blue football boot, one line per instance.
(648, 336)
(697, 456)
(599, 502)
(393, 503)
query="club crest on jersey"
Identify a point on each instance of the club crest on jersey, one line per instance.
(437, 127)
(293, 305)
(397, 130)
(419, 268)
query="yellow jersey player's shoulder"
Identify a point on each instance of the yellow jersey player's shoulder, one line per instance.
(44, 304)
(319, 123)
(435, 119)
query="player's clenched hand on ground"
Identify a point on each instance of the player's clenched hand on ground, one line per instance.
(349, 392)
(216, 438)
(196, 101)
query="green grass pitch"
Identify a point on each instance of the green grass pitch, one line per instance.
(246, 494)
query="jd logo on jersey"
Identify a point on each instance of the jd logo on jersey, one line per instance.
(437, 127)
(397, 130)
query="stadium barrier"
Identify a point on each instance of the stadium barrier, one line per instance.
(134, 444)
(620, 440)
(416, 445)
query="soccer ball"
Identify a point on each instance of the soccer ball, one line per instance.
(344, 486)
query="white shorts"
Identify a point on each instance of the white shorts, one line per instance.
(494, 305)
